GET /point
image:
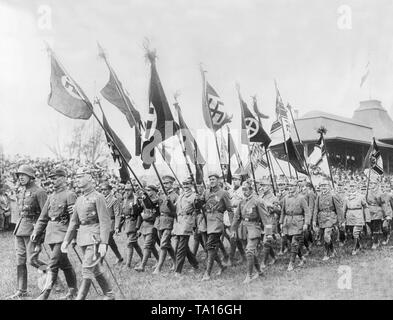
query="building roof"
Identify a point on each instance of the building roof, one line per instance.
(371, 113)
(337, 127)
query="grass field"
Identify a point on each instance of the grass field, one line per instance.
(367, 276)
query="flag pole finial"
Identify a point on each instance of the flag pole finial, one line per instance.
(101, 52)
(322, 130)
(150, 54)
(176, 95)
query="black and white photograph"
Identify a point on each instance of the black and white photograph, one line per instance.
(212, 152)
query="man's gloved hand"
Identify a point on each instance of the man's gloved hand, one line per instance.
(64, 247)
(102, 249)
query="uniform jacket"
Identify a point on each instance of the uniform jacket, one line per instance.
(185, 210)
(273, 209)
(151, 210)
(167, 211)
(355, 210)
(55, 216)
(328, 210)
(253, 213)
(92, 217)
(377, 205)
(216, 202)
(132, 214)
(31, 200)
(294, 214)
(113, 205)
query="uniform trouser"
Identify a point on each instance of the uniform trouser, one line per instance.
(212, 245)
(329, 235)
(149, 245)
(376, 230)
(25, 252)
(88, 260)
(112, 244)
(251, 254)
(165, 241)
(386, 229)
(296, 241)
(60, 260)
(268, 244)
(308, 237)
(199, 238)
(236, 243)
(355, 231)
(183, 251)
(2, 221)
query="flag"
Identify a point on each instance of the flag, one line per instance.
(123, 170)
(66, 96)
(189, 142)
(281, 126)
(366, 74)
(257, 154)
(160, 125)
(212, 106)
(375, 159)
(318, 163)
(233, 150)
(256, 110)
(252, 130)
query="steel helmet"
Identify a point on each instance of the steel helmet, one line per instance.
(27, 170)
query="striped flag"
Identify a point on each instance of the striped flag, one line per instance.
(376, 163)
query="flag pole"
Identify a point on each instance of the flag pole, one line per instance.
(289, 107)
(248, 140)
(270, 169)
(210, 117)
(238, 159)
(282, 171)
(169, 165)
(97, 101)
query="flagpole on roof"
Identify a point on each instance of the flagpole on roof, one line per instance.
(283, 131)
(205, 104)
(248, 140)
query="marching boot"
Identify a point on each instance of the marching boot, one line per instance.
(265, 257)
(326, 256)
(161, 261)
(50, 281)
(138, 250)
(155, 253)
(195, 247)
(355, 247)
(291, 261)
(332, 251)
(230, 262)
(70, 277)
(130, 253)
(375, 242)
(220, 265)
(106, 287)
(258, 266)
(250, 267)
(210, 260)
(141, 267)
(173, 257)
(84, 289)
(273, 255)
(21, 278)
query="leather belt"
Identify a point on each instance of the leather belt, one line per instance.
(249, 220)
(88, 222)
(295, 214)
(357, 208)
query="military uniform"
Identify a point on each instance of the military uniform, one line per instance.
(216, 201)
(386, 225)
(150, 211)
(310, 199)
(183, 228)
(270, 229)
(92, 220)
(55, 217)
(131, 211)
(379, 211)
(356, 215)
(30, 201)
(253, 212)
(113, 206)
(295, 213)
(327, 215)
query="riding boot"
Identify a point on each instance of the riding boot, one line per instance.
(257, 266)
(49, 283)
(161, 260)
(327, 251)
(106, 287)
(130, 253)
(84, 289)
(70, 277)
(155, 253)
(220, 265)
(210, 261)
(138, 249)
(141, 267)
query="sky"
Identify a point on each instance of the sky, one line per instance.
(316, 50)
